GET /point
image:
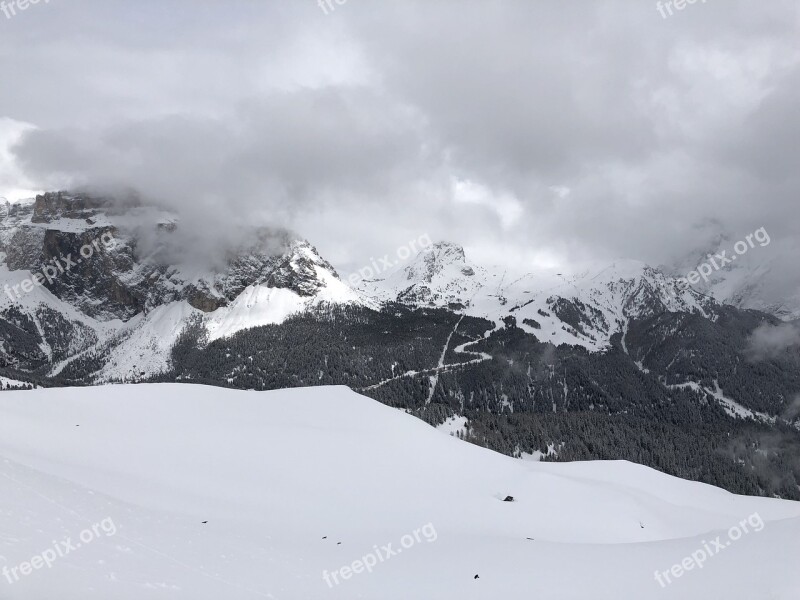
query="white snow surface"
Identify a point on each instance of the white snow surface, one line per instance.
(282, 477)
(260, 305)
(454, 426)
(14, 382)
(144, 344)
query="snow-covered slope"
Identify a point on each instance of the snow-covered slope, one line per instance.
(263, 305)
(205, 493)
(143, 346)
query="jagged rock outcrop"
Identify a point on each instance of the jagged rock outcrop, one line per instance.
(53, 206)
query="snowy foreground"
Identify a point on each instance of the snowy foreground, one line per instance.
(297, 482)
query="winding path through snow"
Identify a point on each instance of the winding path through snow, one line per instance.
(435, 376)
(441, 367)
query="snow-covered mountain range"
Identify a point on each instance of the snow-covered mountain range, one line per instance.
(133, 300)
(584, 309)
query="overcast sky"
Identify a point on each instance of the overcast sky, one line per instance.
(553, 131)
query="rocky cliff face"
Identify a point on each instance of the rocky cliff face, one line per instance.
(125, 277)
(51, 207)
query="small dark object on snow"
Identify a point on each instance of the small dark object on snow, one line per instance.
(509, 499)
(324, 537)
(531, 539)
(477, 577)
(338, 543)
(204, 522)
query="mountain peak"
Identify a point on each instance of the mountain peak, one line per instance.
(447, 249)
(434, 260)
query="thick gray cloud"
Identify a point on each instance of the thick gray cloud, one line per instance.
(769, 341)
(552, 132)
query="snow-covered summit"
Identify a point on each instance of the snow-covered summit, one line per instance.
(436, 259)
(439, 275)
